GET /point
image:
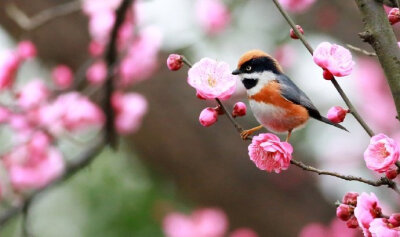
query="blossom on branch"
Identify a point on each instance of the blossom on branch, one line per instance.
(208, 117)
(367, 209)
(269, 153)
(33, 94)
(336, 114)
(212, 79)
(62, 76)
(382, 153)
(381, 227)
(334, 58)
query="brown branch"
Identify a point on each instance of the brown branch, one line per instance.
(359, 50)
(110, 58)
(43, 17)
(334, 82)
(77, 164)
(379, 34)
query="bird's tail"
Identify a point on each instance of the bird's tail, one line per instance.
(325, 120)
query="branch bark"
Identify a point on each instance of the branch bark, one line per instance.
(379, 34)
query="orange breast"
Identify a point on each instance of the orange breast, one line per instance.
(294, 116)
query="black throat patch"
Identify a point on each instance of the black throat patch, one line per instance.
(249, 82)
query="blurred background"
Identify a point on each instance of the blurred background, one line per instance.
(172, 163)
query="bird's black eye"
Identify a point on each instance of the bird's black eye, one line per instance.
(248, 68)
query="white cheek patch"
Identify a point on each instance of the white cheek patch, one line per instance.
(263, 79)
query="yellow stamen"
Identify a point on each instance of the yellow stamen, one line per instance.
(211, 81)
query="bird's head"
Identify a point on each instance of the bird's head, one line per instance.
(256, 69)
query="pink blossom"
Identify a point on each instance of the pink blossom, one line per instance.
(367, 209)
(344, 212)
(129, 109)
(96, 49)
(334, 58)
(97, 72)
(34, 164)
(336, 229)
(91, 7)
(174, 62)
(296, 6)
(213, 15)
(350, 198)
(26, 50)
(239, 109)
(208, 117)
(207, 222)
(243, 232)
(141, 59)
(33, 94)
(100, 25)
(382, 153)
(9, 63)
(380, 227)
(394, 16)
(71, 112)
(293, 34)
(336, 114)
(212, 79)
(62, 76)
(269, 153)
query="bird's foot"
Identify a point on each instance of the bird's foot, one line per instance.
(246, 133)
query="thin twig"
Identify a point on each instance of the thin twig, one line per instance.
(334, 82)
(25, 219)
(43, 17)
(359, 50)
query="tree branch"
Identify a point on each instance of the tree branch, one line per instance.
(379, 34)
(359, 50)
(334, 82)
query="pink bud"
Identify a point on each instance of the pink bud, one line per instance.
(344, 212)
(392, 174)
(293, 34)
(97, 73)
(350, 198)
(62, 76)
(26, 50)
(394, 16)
(394, 219)
(352, 223)
(336, 114)
(239, 109)
(96, 48)
(174, 62)
(208, 117)
(327, 75)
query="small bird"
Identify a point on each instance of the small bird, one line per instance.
(277, 103)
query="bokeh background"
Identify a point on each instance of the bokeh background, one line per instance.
(173, 163)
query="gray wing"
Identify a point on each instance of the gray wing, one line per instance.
(292, 93)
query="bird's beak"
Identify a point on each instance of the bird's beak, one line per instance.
(236, 72)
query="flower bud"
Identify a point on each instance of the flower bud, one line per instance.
(327, 75)
(293, 34)
(62, 76)
(208, 117)
(392, 174)
(174, 62)
(336, 114)
(344, 212)
(239, 109)
(394, 219)
(26, 50)
(350, 198)
(394, 16)
(352, 223)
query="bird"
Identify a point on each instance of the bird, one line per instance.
(276, 101)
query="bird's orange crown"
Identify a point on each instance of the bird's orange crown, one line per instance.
(256, 53)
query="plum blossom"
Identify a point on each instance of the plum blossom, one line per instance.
(97, 73)
(62, 76)
(293, 34)
(26, 50)
(174, 62)
(35, 164)
(208, 222)
(212, 79)
(269, 153)
(394, 16)
(129, 110)
(367, 209)
(334, 58)
(296, 6)
(213, 15)
(382, 153)
(239, 109)
(336, 114)
(335, 229)
(33, 94)
(381, 227)
(208, 117)
(141, 59)
(9, 63)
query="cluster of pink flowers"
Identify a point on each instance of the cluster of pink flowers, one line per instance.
(207, 222)
(365, 211)
(296, 6)
(333, 59)
(213, 15)
(269, 153)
